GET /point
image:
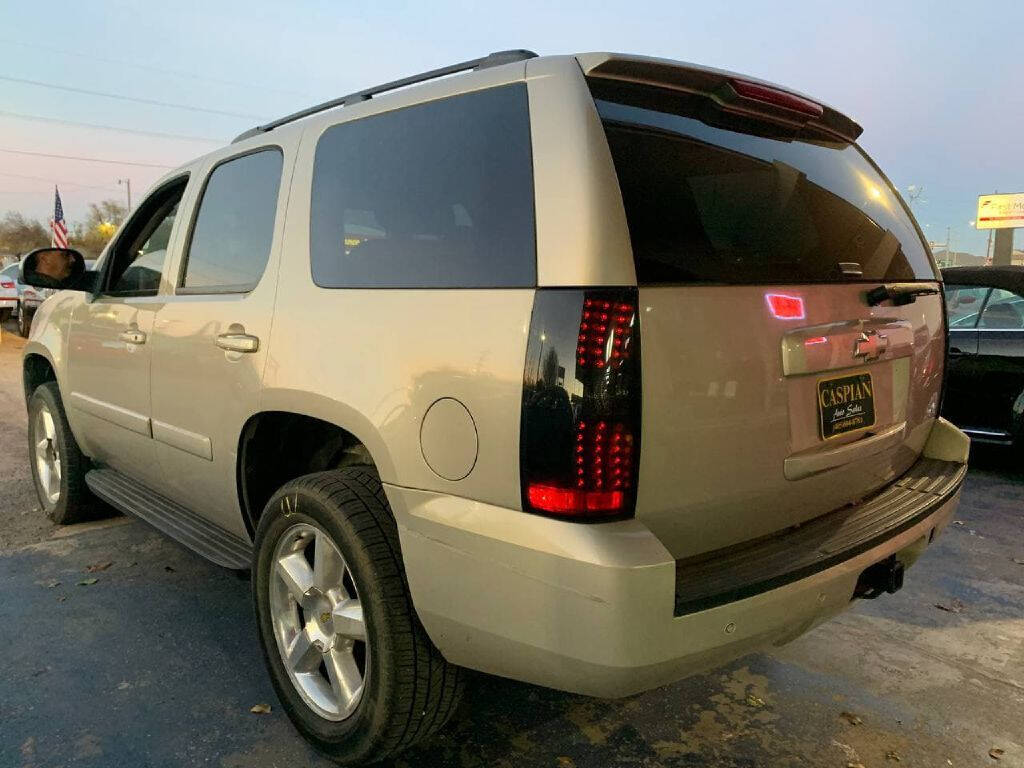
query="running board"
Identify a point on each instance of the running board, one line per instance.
(169, 517)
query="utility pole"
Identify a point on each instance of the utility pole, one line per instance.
(988, 246)
(128, 187)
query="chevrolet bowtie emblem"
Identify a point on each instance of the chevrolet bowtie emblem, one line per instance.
(870, 345)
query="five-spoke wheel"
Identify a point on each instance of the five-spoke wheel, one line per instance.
(350, 661)
(47, 454)
(318, 621)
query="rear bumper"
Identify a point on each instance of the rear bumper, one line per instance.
(592, 608)
(8, 303)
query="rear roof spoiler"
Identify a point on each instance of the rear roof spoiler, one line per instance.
(718, 85)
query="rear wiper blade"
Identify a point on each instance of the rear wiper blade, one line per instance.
(900, 293)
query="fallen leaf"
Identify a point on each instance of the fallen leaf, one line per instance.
(97, 567)
(1019, 560)
(996, 753)
(958, 522)
(52, 583)
(87, 582)
(891, 755)
(755, 701)
(851, 718)
(954, 607)
(260, 709)
(566, 762)
(855, 765)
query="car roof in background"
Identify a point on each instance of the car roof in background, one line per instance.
(1008, 278)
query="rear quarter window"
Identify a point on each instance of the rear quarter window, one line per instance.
(710, 204)
(437, 195)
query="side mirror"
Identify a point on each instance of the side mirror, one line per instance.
(57, 268)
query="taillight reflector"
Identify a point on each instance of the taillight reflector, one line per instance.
(570, 501)
(785, 307)
(6, 283)
(777, 97)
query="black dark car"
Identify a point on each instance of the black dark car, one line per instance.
(985, 373)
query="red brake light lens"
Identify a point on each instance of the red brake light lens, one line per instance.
(549, 498)
(581, 404)
(777, 97)
(5, 283)
(785, 307)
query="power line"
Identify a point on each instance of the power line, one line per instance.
(150, 68)
(60, 183)
(60, 121)
(84, 159)
(120, 97)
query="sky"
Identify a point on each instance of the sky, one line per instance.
(936, 85)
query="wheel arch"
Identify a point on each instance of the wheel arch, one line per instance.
(36, 368)
(276, 446)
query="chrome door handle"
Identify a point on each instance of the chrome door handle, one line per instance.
(238, 342)
(132, 337)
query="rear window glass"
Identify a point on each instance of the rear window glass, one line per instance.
(963, 305)
(1004, 311)
(437, 195)
(707, 203)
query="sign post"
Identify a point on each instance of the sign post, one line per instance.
(1001, 213)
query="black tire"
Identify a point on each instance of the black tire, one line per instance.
(411, 690)
(76, 502)
(24, 321)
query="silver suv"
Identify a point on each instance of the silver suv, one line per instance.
(590, 371)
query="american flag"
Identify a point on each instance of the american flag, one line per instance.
(59, 239)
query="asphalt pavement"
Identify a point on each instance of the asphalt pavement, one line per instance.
(120, 648)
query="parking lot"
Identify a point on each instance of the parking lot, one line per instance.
(121, 648)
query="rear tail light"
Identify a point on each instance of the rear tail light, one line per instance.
(5, 283)
(580, 430)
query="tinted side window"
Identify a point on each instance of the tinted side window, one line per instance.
(137, 258)
(1004, 311)
(234, 228)
(431, 196)
(963, 305)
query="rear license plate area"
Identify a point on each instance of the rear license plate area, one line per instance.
(845, 404)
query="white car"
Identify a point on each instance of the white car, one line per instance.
(25, 298)
(8, 291)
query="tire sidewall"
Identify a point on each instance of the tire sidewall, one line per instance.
(359, 732)
(44, 396)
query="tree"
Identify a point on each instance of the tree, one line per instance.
(100, 224)
(19, 235)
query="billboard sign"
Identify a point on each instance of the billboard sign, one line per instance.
(1000, 211)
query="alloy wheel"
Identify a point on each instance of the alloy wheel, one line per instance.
(47, 454)
(318, 621)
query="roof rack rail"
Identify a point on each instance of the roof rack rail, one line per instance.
(484, 62)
